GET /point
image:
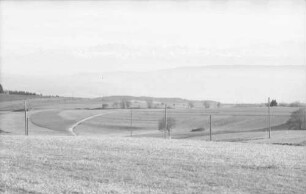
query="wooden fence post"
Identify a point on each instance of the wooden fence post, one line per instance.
(210, 138)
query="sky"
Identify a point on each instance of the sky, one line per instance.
(52, 38)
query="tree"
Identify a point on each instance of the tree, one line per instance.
(206, 104)
(116, 105)
(218, 104)
(149, 103)
(170, 124)
(125, 104)
(273, 103)
(297, 120)
(1, 89)
(190, 104)
(128, 104)
(122, 104)
(104, 106)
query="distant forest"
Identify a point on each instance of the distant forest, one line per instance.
(23, 93)
(17, 92)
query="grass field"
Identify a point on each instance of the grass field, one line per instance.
(224, 120)
(146, 165)
(103, 159)
(16, 102)
(56, 116)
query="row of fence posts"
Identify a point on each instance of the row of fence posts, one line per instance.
(167, 133)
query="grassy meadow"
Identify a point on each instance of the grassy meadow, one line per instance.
(55, 116)
(102, 158)
(224, 120)
(146, 165)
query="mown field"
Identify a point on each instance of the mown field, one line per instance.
(231, 119)
(144, 122)
(56, 116)
(147, 165)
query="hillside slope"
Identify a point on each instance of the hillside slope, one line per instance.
(123, 165)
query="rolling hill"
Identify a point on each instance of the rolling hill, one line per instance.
(228, 84)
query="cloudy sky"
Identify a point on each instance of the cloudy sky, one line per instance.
(77, 36)
(69, 37)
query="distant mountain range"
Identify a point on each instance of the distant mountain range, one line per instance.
(232, 84)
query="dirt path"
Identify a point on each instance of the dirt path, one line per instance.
(71, 129)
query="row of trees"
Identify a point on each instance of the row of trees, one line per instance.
(124, 104)
(23, 93)
(206, 104)
(292, 104)
(17, 92)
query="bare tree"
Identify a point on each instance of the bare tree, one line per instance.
(170, 124)
(125, 104)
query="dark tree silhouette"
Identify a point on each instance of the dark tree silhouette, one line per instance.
(273, 103)
(1, 89)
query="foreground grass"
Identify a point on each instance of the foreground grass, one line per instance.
(123, 165)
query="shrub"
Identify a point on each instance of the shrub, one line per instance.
(190, 104)
(295, 104)
(104, 106)
(198, 129)
(297, 120)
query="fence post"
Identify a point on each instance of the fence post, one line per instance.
(131, 122)
(304, 127)
(269, 118)
(25, 118)
(210, 128)
(166, 124)
(27, 125)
